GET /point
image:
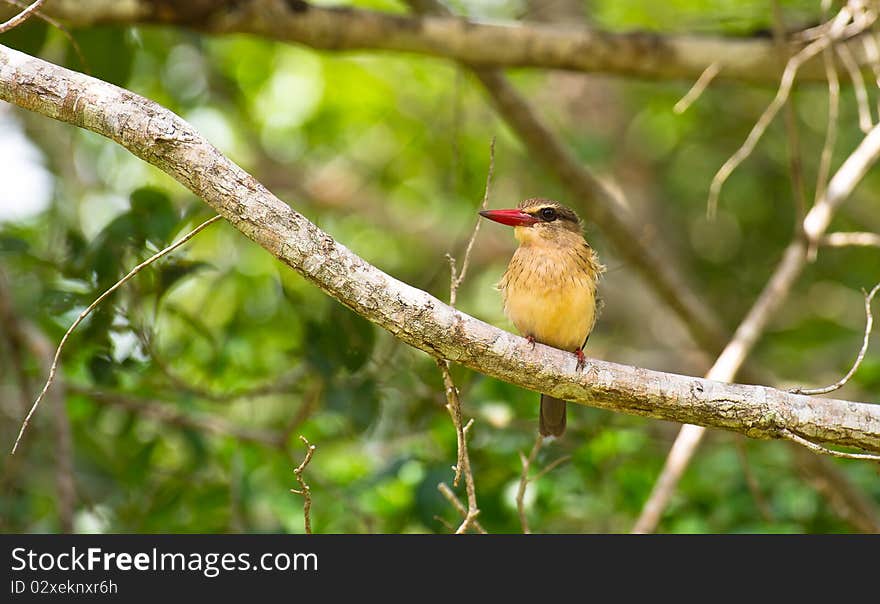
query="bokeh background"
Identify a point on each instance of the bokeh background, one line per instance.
(181, 400)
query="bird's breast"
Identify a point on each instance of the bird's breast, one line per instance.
(550, 296)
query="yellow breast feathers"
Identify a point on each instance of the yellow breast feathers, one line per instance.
(550, 292)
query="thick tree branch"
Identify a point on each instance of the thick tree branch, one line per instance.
(163, 139)
(572, 47)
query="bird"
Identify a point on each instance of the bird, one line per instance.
(549, 289)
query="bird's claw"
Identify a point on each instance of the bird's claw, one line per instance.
(531, 340)
(581, 359)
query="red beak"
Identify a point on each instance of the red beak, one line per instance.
(514, 217)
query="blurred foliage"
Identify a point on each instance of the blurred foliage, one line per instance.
(389, 153)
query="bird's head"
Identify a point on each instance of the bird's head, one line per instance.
(539, 222)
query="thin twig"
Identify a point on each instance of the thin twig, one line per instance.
(54, 367)
(453, 400)
(20, 17)
(60, 27)
(304, 488)
(463, 464)
(844, 239)
(698, 88)
(824, 169)
(550, 467)
(872, 53)
(778, 287)
(782, 93)
(789, 435)
(458, 276)
(855, 75)
(869, 323)
(845, 498)
(677, 460)
(458, 505)
(763, 122)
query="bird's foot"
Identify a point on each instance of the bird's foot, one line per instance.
(531, 340)
(582, 360)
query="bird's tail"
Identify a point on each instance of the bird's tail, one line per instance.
(552, 422)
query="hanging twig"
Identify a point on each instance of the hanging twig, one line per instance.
(789, 435)
(869, 323)
(304, 488)
(54, 367)
(846, 239)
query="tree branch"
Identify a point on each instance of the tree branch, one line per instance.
(572, 47)
(163, 139)
(793, 261)
(20, 17)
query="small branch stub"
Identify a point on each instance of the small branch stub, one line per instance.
(304, 489)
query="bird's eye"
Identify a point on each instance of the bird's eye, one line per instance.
(548, 214)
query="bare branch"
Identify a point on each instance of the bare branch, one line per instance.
(21, 17)
(845, 499)
(459, 506)
(788, 434)
(842, 239)
(763, 122)
(499, 45)
(698, 88)
(824, 169)
(414, 316)
(453, 400)
(835, 31)
(869, 322)
(57, 357)
(64, 31)
(463, 465)
(304, 488)
(855, 75)
(793, 261)
(677, 460)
